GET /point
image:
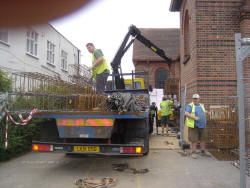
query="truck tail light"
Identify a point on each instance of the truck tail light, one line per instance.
(131, 150)
(41, 147)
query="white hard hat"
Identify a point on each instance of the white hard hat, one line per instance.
(196, 96)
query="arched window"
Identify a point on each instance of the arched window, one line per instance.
(160, 76)
(186, 37)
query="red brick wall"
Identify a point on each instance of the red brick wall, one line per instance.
(211, 69)
(153, 66)
(245, 33)
(188, 70)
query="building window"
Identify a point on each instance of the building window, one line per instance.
(76, 59)
(186, 38)
(160, 76)
(64, 62)
(31, 42)
(4, 35)
(50, 53)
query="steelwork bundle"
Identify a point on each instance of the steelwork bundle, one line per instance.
(35, 90)
(171, 87)
(223, 132)
(33, 82)
(126, 102)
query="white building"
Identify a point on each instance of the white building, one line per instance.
(38, 48)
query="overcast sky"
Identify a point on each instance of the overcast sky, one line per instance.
(106, 22)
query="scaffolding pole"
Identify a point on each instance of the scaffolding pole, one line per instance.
(242, 49)
(182, 115)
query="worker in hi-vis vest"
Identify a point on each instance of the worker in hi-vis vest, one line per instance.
(158, 121)
(196, 121)
(153, 114)
(165, 113)
(100, 69)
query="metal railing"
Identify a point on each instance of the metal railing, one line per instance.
(3, 103)
(51, 94)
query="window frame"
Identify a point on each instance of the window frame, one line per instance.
(32, 43)
(64, 60)
(187, 36)
(160, 83)
(50, 58)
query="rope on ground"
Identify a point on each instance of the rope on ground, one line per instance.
(123, 166)
(95, 183)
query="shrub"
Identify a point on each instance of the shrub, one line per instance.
(5, 82)
(20, 138)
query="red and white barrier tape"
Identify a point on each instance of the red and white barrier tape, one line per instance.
(29, 117)
(23, 122)
(6, 132)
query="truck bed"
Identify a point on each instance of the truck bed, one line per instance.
(92, 114)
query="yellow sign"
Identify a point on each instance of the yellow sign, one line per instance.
(153, 48)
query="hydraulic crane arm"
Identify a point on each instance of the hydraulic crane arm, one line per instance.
(154, 48)
(136, 34)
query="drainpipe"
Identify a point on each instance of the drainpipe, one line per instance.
(78, 62)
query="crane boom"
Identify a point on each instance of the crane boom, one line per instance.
(136, 34)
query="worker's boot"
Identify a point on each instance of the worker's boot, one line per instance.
(194, 155)
(167, 133)
(205, 153)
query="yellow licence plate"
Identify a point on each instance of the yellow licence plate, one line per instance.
(86, 149)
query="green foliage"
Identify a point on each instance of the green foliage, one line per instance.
(19, 138)
(5, 82)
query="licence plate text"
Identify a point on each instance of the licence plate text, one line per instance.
(86, 149)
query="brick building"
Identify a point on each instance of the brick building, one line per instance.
(147, 61)
(207, 46)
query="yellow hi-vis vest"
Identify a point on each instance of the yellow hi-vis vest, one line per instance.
(159, 115)
(165, 107)
(152, 112)
(190, 121)
(100, 68)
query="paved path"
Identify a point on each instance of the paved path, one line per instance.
(167, 169)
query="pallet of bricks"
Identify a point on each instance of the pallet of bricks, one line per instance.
(222, 132)
(171, 87)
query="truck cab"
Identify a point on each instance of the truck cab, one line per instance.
(137, 84)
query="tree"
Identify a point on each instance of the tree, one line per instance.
(5, 82)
